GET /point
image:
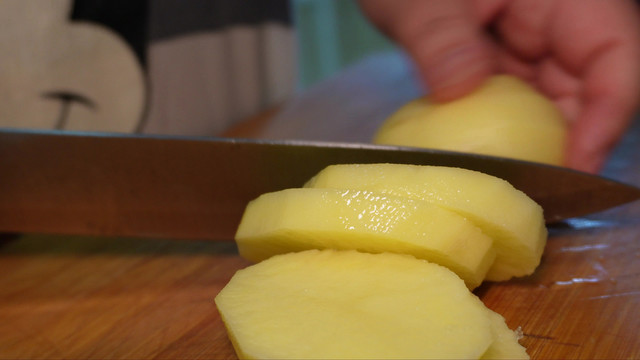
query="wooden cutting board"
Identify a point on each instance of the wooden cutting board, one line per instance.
(99, 298)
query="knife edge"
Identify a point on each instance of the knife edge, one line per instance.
(197, 187)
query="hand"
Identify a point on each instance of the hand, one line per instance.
(582, 54)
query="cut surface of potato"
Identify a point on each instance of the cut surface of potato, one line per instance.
(504, 117)
(505, 341)
(350, 305)
(301, 219)
(507, 215)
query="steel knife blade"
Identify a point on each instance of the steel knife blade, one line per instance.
(197, 188)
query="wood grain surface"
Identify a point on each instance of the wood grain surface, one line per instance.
(113, 298)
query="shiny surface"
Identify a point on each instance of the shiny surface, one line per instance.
(513, 220)
(300, 219)
(185, 188)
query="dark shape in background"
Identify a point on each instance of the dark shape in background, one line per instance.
(139, 22)
(128, 18)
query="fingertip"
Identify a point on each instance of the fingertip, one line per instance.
(457, 88)
(458, 72)
(585, 162)
(447, 45)
(593, 135)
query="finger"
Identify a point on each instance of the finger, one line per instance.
(523, 27)
(564, 88)
(508, 63)
(446, 42)
(611, 93)
(607, 58)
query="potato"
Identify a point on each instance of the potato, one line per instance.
(505, 342)
(504, 117)
(301, 219)
(370, 291)
(514, 221)
(351, 305)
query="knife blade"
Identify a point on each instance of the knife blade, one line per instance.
(197, 188)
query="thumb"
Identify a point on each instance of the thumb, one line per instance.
(444, 38)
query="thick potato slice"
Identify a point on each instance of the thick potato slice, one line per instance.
(504, 117)
(351, 305)
(505, 342)
(514, 221)
(301, 219)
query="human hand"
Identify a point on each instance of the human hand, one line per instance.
(582, 54)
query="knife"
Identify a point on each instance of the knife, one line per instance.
(197, 188)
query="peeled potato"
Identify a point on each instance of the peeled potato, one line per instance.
(514, 221)
(505, 342)
(301, 219)
(504, 117)
(350, 305)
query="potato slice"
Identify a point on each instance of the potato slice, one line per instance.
(511, 218)
(505, 342)
(351, 305)
(504, 117)
(302, 219)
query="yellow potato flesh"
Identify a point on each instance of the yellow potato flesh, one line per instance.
(514, 221)
(301, 219)
(505, 342)
(504, 117)
(350, 305)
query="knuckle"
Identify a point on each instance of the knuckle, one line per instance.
(440, 34)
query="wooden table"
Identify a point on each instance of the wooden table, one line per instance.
(113, 298)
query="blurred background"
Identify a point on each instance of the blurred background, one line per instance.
(332, 34)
